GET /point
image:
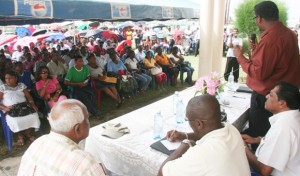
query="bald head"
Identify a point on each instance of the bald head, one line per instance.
(66, 114)
(204, 107)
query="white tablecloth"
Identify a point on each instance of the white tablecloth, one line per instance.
(131, 154)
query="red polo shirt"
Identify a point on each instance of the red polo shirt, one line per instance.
(275, 59)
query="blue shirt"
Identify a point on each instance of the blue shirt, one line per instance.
(26, 79)
(112, 67)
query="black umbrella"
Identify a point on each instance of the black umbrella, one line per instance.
(39, 32)
(160, 26)
(94, 24)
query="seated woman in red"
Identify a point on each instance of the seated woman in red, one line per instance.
(48, 87)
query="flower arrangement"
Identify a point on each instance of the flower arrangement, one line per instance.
(210, 84)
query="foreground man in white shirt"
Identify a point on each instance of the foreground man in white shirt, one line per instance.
(219, 148)
(58, 153)
(278, 152)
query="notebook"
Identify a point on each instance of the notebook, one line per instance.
(160, 147)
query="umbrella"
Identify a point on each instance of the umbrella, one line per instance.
(120, 45)
(41, 36)
(56, 27)
(82, 33)
(71, 33)
(150, 33)
(108, 35)
(25, 41)
(7, 38)
(31, 29)
(121, 37)
(55, 36)
(137, 28)
(22, 31)
(94, 24)
(83, 27)
(128, 24)
(93, 32)
(160, 26)
(104, 28)
(178, 34)
(39, 32)
(124, 25)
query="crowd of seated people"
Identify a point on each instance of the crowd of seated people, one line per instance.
(51, 75)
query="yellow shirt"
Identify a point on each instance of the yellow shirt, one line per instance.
(148, 63)
(129, 35)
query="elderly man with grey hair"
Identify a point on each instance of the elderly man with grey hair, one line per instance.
(58, 153)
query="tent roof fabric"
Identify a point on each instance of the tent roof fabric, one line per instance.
(98, 10)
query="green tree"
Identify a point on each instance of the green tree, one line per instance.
(245, 13)
(246, 24)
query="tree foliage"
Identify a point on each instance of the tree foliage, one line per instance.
(245, 13)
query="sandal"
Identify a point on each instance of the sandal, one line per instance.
(20, 142)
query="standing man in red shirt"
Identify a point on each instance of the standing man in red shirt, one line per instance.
(275, 58)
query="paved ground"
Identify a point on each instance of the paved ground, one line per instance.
(9, 166)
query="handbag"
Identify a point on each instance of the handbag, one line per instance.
(155, 70)
(21, 109)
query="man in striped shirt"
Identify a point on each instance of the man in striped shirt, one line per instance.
(58, 153)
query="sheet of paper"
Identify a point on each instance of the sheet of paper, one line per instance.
(170, 145)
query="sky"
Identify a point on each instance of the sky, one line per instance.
(293, 7)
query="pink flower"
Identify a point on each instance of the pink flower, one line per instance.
(209, 84)
(211, 90)
(215, 75)
(199, 84)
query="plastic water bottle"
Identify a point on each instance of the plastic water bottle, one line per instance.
(158, 125)
(231, 81)
(180, 111)
(175, 100)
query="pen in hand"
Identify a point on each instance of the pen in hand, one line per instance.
(173, 132)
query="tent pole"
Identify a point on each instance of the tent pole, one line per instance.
(74, 37)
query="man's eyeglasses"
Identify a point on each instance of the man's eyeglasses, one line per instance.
(188, 120)
(255, 17)
(44, 72)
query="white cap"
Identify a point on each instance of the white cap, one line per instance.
(114, 130)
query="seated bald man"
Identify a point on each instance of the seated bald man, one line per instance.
(58, 153)
(219, 148)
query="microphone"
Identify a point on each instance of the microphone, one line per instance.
(253, 38)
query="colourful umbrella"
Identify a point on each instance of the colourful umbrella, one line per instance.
(71, 33)
(92, 32)
(31, 29)
(137, 28)
(7, 38)
(120, 45)
(108, 35)
(55, 36)
(22, 31)
(39, 32)
(41, 37)
(25, 41)
(83, 27)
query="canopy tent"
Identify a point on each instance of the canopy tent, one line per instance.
(20, 12)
